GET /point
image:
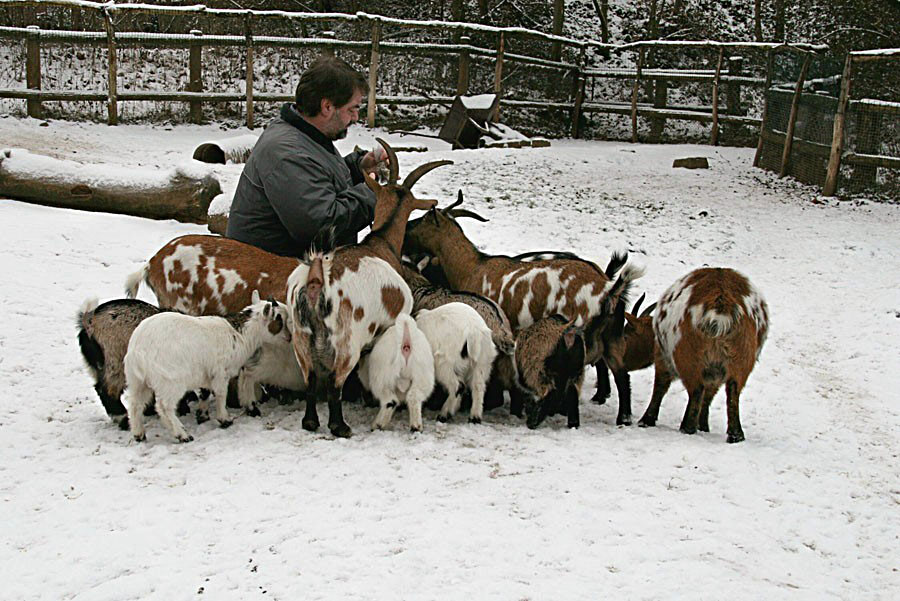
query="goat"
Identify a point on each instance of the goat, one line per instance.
(550, 360)
(629, 347)
(103, 334)
(710, 327)
(463, 354)
(526, 290)
(170, 353)
(211, 275)
(341, 299)
(427, 295)
(400, 369)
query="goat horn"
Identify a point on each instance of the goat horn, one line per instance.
(459, 199)
(637, 305)
(648, 310)
(394, 166)
(421, 170)
(456, 213)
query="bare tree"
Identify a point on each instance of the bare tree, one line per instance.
(559, 11)
(779, 20)
(757, 20)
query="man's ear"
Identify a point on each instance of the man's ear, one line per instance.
(326, 107)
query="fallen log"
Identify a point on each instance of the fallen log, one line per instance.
(183, 192)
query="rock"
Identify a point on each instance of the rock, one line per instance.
(691, 163)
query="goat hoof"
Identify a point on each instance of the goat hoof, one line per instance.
(341, 431)
(123, 423)
(201, 417)
(253, 411)
(443, 418)
(474, 420)
(688, 430)
(187, 438)
(703, 428)
(415, 429)
(735, 437)
(599, 399)
(574, 424)
(624, 420)
(310, 424)
(140, 437)
(647, 422)
(225, 423)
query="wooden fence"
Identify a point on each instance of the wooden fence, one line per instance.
(464, 53)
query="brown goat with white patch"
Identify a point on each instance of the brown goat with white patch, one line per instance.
(526, 290)
(340, 300)
(211, 275)
(710, 327)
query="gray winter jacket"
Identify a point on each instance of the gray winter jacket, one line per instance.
(294, 186)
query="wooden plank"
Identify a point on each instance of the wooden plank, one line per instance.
(195, 75)
(800, 145)
(837, 138)
(714, 134)
(462, 85)
(498, 76)
(634, 96)
(248, 33)
(871, 160)
(373, 73)
(33, 69)
(792, 120)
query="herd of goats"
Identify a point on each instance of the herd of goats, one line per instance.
(421, 317)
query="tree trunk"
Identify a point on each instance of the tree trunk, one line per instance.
(457, 13)
(757, 20)
(779, 20)
(559, 9)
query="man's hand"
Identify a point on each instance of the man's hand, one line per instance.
(375, 161)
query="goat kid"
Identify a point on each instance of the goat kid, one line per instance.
(399, 370)
(170, 353)
(710, 327)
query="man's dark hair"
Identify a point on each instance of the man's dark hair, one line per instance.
(328, 77)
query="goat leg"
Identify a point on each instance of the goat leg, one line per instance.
(571, 400)
(692, 412)
(336, 423)
(603, 388)
(661, 382)
(623, 387)
(311, 418)
(735, 432)
(703, 424)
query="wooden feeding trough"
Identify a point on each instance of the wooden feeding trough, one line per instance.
(468, 120)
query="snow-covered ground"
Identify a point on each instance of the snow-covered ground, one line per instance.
(806, 508)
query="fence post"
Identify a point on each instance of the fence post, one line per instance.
(248, 35)
(498, 77)
(770, 65)
(112, 102)
(195, 77)
(733, 89)
(578, 83)
(634, 96)
(792, 120)
(33, 69)
(837, 138)
(714, 135)
(462, 86)
(868, 141)
(660, 98)
(373, 72)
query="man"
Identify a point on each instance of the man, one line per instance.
(295, 186)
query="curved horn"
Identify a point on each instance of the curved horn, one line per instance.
(394, 166)
(637, 305)
(421, 170)
(648, 310)
(456, 213)
(459, 199)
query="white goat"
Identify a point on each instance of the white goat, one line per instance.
(400, 369)
(171, 353)
(463, 354)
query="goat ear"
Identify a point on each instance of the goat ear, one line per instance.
(254, 297)
(266, 310)
(634, 321)
(422, 264)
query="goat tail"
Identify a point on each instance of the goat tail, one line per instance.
(133, 282)
(85, 313)
(718, 320)
(505, 345)
(616, 263)
(620, 289)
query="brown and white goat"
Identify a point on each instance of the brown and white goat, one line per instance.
(526, 289)
(710, 327)
(341, 299)
(211, 275)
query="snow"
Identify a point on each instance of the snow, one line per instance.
(478, 102)
(806, 508)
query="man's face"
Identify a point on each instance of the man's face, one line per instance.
(343, 116)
